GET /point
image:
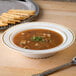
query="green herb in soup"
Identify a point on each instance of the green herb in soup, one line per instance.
(38, 39)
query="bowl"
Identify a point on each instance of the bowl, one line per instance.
(67, 34)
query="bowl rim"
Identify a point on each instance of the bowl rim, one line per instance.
(39, 51)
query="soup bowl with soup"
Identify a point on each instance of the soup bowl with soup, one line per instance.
(38, 39)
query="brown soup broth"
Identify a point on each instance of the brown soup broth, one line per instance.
(38, 39)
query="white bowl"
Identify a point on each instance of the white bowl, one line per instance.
(68, 38)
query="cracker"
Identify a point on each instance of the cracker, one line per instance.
(14, 16)
(31, 12)
(7, 21)
(3, 24)
(20, 14)
(11, 19)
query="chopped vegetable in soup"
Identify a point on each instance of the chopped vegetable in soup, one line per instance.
(38, 39)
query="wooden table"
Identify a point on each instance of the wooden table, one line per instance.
(13, 63)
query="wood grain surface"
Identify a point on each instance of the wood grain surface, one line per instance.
(13, 63)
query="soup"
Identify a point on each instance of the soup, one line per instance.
(38, 39)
